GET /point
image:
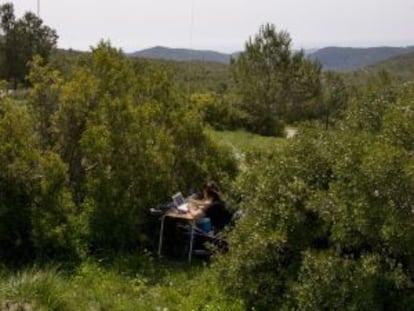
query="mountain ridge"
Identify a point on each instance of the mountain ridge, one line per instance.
(331, 57)
(400, 66)
(182, 54)
(352, 58)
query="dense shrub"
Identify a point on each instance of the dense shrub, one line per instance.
(220, 111)
(328, 221)
(18, 160)
(86, 156)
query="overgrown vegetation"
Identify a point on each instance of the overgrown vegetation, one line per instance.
(329, 221)
(87, 156)
(98, 138)
(20, 40)
(127, 283)
(274, 84)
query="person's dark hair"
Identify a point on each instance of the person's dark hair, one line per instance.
(212, 185)
(212, 191)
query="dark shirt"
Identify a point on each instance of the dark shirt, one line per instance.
(218, 214)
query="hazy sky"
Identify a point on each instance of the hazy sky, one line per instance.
(224, 25)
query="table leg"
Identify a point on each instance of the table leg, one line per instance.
(161, 236)
(191, 240)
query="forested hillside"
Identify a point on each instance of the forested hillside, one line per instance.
(190, 76)
(331, 58)
(89, 142)
(346, 59)
(401, 66)
(160, 52)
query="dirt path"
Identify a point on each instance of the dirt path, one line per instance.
(290, 132)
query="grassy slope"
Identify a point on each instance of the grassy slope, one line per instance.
(120, 285)
(241, 141)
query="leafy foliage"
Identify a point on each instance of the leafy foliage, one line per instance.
(328, 221)
(19, 157)
(273, 83)
(87, 156)
(327, 216)
(21, 40)
(219, 110)
(38, 216)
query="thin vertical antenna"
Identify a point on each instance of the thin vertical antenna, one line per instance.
(190, 47)
(191, 23)
(38, 8)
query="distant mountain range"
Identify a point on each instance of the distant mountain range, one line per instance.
(347, 59)
(160, 52)
(331, 58)
(401, 66)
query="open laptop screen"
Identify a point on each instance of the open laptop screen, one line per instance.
(178, 199)
(180, 202)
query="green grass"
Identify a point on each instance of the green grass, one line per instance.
(243, 143)
(127, 283)
(241, 140)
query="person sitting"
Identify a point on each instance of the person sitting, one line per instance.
(212, 207)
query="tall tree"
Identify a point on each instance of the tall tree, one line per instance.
(270, 79)
(21, 40)
(8, 43)
(44, 97)
(335, 97)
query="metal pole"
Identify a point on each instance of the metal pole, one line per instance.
(161, 236)
(38, 8)
(190, 252)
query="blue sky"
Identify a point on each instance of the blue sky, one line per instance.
(226, 24)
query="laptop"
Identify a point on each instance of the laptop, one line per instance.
(180, 202)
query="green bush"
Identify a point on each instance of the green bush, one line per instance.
(86, 156)
(328, 220)
(19, 157)
(58, 228)
(220, 111)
